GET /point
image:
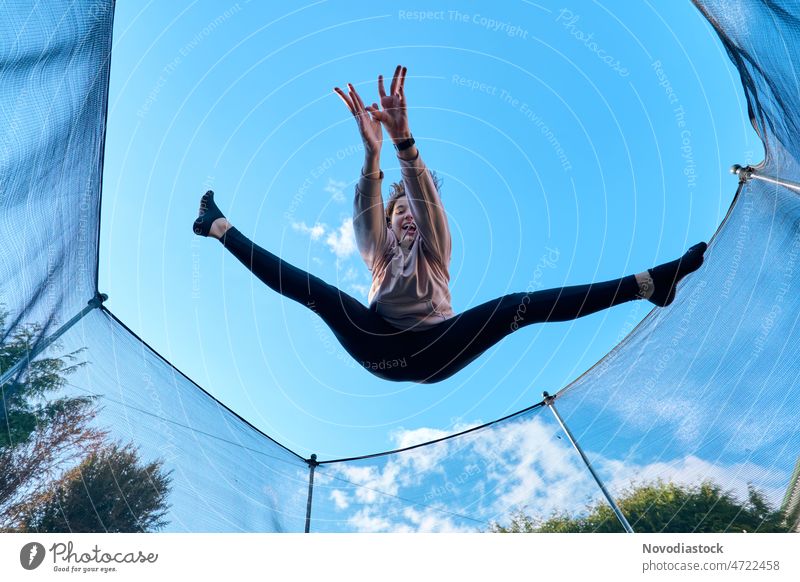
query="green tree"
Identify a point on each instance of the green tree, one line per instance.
(110, 491)
(51, 448)
(27, 404)
(41, 434)
(29, 467)
(663, 507)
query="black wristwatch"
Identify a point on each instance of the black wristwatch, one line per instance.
(405, 144)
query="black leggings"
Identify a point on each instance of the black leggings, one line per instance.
(435, 353)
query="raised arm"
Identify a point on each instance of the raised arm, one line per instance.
(426, 206)
(421, 192)
(369, 223)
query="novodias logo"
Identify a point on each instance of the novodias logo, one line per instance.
(31, 555)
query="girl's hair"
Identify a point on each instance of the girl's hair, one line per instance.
(399, 190)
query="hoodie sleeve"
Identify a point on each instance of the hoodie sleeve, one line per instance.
(369, 221)
(426, 206)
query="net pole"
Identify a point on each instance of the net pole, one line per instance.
(312, 465)
(94, 303)
(549, 402)
(747, 172)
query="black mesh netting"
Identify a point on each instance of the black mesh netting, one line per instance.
(707, 388)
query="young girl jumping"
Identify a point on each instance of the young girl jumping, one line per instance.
(409, 331)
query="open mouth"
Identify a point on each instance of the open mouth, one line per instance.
(410, 228)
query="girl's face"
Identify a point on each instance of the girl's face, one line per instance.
(402, 222)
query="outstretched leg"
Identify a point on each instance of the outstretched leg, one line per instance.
(467, 335)
(453, 344)
(348, 318)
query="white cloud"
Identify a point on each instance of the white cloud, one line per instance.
(362, 290)
(359, 282)
(408, 438)
(485, 475)
(342, 241)
(334, 188)
(366, 521)
(431, 521)
(372, 484)
(478, 476)
(740, 429)
(529, 466)
(350, 275)
(423, 459)
(339, 498)
(405, 520)
(315, 231)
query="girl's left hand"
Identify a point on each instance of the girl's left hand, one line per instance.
(394, 116)
(368, 124)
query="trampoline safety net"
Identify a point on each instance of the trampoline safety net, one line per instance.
(706, 388)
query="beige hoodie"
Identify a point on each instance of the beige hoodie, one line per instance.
(409, 286)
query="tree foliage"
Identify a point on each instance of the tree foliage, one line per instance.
(27, 402)
(109, 491)
(58, 470)
(51, 448)
(663, 507)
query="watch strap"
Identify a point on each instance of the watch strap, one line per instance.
(405, 144)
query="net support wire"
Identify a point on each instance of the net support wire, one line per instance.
(549, 401)
(312, 465)
(746, 173)
(94, 303)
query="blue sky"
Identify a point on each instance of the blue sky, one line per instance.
(578, 141)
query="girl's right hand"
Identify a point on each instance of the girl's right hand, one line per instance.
(368, 124)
